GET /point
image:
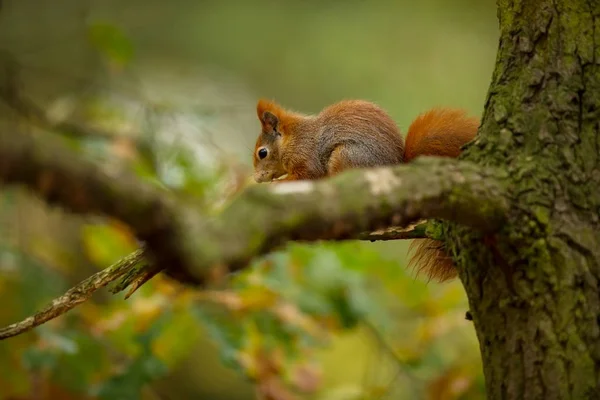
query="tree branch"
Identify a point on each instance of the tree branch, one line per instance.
(61, 176)
(348, 204)
(134, 277)
(197, 249)
(74, 296)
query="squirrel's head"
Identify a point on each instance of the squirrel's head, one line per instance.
(267, 158)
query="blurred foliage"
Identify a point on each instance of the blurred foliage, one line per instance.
(175, 86)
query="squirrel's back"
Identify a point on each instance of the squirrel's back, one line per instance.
(359, 133)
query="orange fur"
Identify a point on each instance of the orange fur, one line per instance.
(288, 120)
(355, 134)
(438, 132)
(430, 259)
(360, 133)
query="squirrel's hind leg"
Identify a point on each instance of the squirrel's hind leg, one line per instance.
(340, 159)
(346, 156)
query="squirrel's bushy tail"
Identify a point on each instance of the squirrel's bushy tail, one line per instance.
(437, 132)
(430, 258)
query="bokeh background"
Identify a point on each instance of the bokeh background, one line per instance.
(172, 86)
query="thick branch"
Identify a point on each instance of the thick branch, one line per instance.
(262, 218)
(46, 165)
(61, 176)
(353, 202)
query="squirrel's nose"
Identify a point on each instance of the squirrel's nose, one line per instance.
(261, 177)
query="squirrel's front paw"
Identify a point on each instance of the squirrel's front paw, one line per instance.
(282, 178)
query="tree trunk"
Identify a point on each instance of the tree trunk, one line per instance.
(533, 288)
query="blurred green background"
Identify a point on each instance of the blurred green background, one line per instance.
(175, 84)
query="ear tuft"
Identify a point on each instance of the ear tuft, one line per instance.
(268, 112)
(262, 106)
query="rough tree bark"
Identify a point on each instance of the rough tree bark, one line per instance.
(533, 288)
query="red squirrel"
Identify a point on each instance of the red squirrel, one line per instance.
(358, 134)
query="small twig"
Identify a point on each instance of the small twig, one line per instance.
(74, 296)
(136, 280)
(396, 233)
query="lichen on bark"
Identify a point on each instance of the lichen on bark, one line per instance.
(533, 287)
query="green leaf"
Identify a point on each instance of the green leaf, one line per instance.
(36, 359)
(106, 244)
(36, 285)
(172, 346)
(110, 41)
(129, 383)
(78, 368)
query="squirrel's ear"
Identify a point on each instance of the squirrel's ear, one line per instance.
(266, 111)
(270, 120)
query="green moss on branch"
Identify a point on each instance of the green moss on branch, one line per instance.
(264, 217)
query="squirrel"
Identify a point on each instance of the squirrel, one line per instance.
(359, 134)
(351, 133)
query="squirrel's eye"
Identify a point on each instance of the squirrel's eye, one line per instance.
(262, 153)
